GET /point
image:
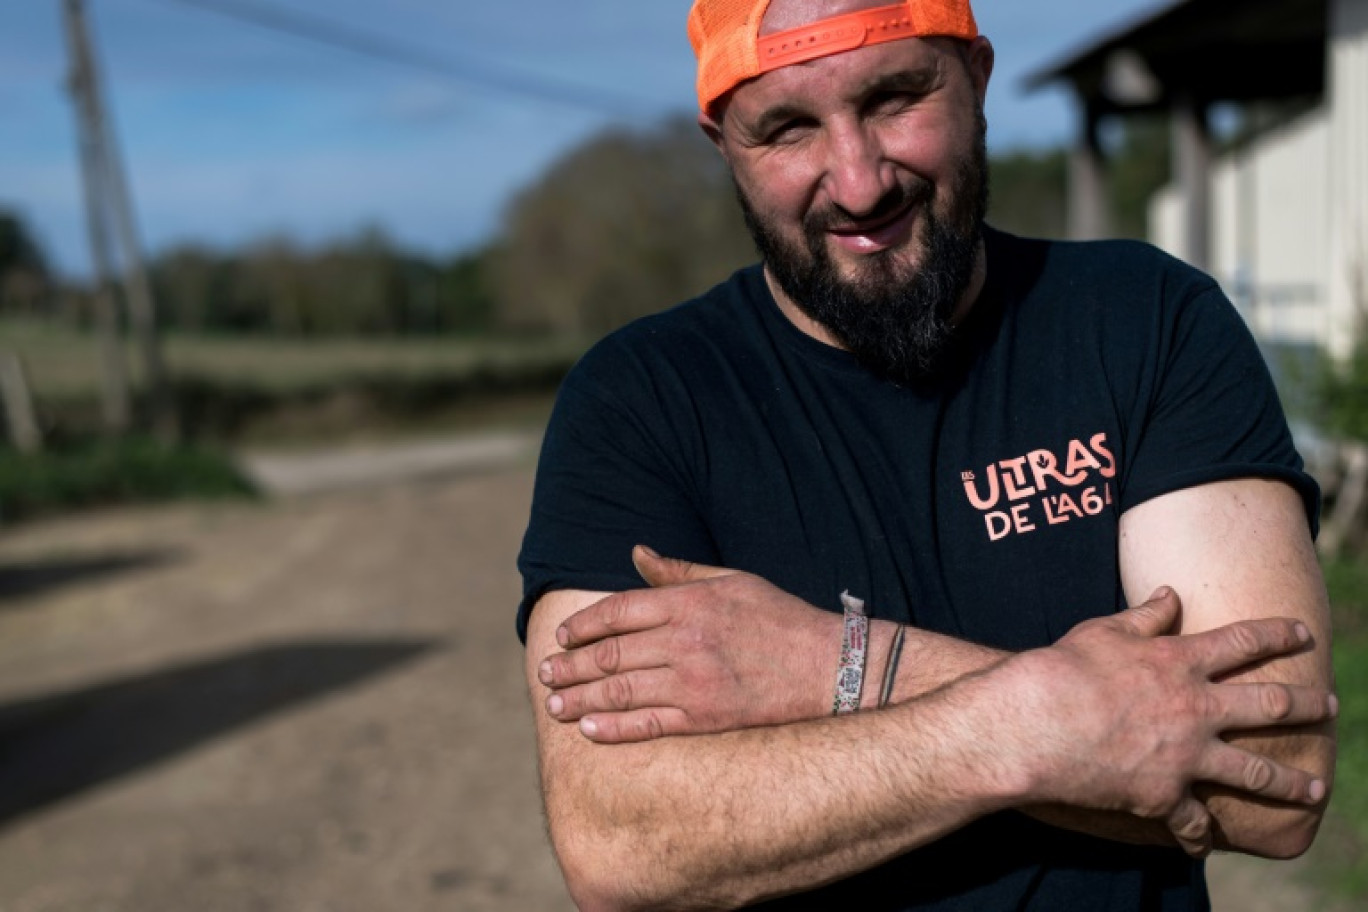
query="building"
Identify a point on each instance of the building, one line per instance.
(1282, 218)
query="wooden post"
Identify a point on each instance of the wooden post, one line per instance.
(1344, 523)
(1088, 216)
(115, 405)
(1192, 164)
(18, 401)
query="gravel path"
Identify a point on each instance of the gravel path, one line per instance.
(315, 704)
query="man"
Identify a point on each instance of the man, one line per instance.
(999, 444)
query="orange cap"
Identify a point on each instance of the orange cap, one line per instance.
(726, 37)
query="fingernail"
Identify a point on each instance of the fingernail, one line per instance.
(589, 727)
(649, 551)
(1334, 706)
(1160, 593)
(544, 673)
(555, 705)
(1303, 633)
(563, 637)
(1316, 791)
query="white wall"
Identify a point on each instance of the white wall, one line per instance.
(1348, 171)
(1270, 222)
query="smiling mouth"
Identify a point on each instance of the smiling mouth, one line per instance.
(879, 234)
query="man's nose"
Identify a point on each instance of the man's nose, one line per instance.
(858, 176)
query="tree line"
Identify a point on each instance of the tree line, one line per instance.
(628, 223)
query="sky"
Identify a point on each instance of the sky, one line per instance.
(232, 132)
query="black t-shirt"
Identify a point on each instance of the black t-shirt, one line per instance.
(1087, 379)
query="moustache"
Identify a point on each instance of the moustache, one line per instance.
(893, 203)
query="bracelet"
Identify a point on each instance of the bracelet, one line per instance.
(854, 647)
(891, 671)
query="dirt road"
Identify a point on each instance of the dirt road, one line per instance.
(307, 705)
(314, 705)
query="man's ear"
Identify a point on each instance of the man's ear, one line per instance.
(712, 128)
(979, 58)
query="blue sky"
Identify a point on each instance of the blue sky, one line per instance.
(232, 132)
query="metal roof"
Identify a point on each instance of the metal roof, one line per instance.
(1208, 50)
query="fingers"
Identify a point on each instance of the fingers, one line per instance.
(1155, 617)
(1239, 769)
(609, 656)
(1243, 706)
(668, 571)
(1191, 824)
(626, 612)
(619, 693)
(640, 725)
(1234, 646)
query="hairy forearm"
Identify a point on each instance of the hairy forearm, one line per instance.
(717, 821)
(931, 661)
(1243, 824)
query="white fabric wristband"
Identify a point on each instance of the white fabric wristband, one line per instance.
(854, 649)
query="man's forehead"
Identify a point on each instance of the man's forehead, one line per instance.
(912, 61)
(786, 14)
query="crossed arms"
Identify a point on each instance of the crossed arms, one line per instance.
(1117, 730)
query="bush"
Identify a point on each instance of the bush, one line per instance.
(1341, 396)
(1344, 841)
(99, 473)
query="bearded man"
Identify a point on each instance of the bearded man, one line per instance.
(997, 445)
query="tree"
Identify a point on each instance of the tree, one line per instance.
(1029, 192)
(25, 282)
(627, 224)
(363, 285)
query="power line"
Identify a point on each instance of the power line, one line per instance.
(479, 73)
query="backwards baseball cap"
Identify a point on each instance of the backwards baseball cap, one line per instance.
(726, 37)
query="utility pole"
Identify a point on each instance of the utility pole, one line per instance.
(108, 200)
(116, 409)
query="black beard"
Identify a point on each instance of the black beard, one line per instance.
(897, 326)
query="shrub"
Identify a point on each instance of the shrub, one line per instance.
(97, 473)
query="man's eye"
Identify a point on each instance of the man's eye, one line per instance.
(892, 101)
(788, 131)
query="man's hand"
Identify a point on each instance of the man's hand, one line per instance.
(708, 650)
(1134, 717)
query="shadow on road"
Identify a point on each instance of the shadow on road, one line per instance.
(35, 577)
(56, 746)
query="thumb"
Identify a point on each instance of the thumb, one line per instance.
(668, 571)
(1155, 617)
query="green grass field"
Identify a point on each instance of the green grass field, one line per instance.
(245, 389)
(1343, 845)
(64, 363)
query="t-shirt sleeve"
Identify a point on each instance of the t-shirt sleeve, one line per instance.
(1212, 412)
(610, 477)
